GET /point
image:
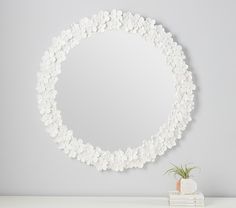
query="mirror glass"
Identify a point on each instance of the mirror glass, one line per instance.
(115, 90)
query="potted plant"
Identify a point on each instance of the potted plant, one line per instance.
(184, 184)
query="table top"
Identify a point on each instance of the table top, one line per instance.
(101, 202)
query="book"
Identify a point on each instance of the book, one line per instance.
(178, 195)
(176, 199)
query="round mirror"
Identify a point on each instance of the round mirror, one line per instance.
(117, 91)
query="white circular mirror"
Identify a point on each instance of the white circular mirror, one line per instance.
(117, 92)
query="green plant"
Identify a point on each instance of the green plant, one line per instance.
(183, 171)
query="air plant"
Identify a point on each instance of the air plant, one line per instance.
(183, 171)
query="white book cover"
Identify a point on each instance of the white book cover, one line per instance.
(186, 200)
(184, 205)
(177, 195)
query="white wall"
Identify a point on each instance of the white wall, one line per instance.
(111, 115)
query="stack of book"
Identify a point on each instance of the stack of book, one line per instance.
(176, 199)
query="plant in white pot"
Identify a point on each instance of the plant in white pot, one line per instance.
(184, 184)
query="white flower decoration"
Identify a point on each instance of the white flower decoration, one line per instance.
(151, 148)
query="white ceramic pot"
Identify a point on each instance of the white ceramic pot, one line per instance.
(188, 186)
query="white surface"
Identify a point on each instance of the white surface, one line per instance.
(29, 162)
(102, 202)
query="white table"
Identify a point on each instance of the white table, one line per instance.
(101, 202)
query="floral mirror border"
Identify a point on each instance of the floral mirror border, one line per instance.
(151, 148)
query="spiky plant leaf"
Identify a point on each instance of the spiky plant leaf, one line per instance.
(181, 171)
